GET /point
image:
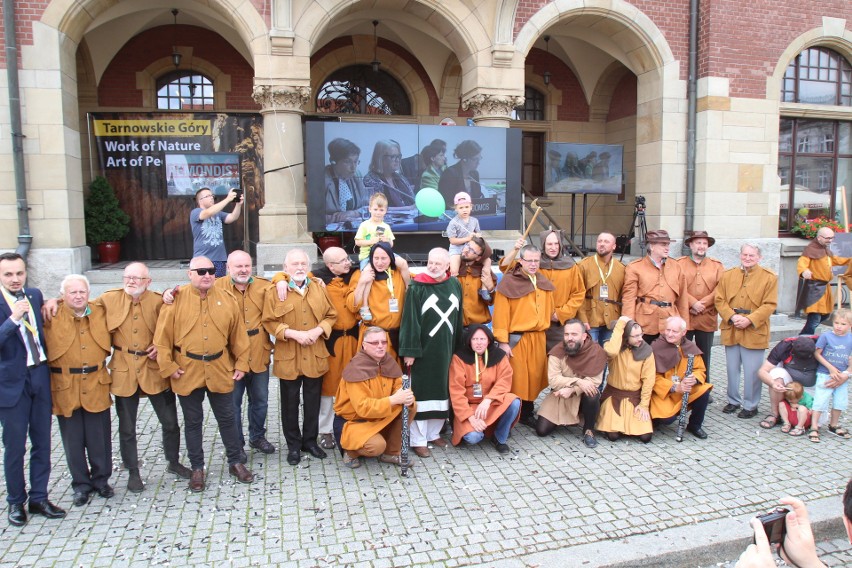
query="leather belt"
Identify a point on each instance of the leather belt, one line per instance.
(253, 332)
(77, 370)
(35, 365)
(655, 302)
(131, 351)
(741, 311)
(198, 357)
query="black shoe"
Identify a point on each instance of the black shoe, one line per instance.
(747, 413)
(501, 448)
(730, 408)
(81, 498)
(590, 440)
(106, 491)
(17, 515)
(46, 509)
(698, 433)
(314, 449)
(180, 470)
(294, 457)
(528, 420)
(134, 481)
(263, 445)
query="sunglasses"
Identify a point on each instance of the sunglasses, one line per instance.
(376, 343)
(204, 271)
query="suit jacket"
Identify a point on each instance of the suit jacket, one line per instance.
(452, 182)
(13, 352)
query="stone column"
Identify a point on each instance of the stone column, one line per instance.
(283, 219)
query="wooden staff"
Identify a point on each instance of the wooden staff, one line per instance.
(507, 261)
(842, 189)
(406, 440)
(681, 419)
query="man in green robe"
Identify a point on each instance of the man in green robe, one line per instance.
(429, 335)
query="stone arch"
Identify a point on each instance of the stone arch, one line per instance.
(604, 90)
(835, 37)
(651, 52)
(453, 20)
(73, 17)
(396, 61)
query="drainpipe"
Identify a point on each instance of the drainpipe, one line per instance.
(692, 81)
(25, 239)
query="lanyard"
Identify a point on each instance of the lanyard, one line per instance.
(389, 272)
(24, 320)
(603, 278)
(476, 364)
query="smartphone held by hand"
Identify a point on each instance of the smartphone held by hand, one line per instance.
(239, 197)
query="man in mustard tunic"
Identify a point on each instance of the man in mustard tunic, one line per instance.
(131, 315)
(370, 399)
(745, 299)
(603, 279)
(78, 344)
(558, 266)
(523, 306)
(250, 292)
(670, 357)
(299, 324)
(814, 268)
(202, 347)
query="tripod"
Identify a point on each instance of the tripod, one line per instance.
(637, 224)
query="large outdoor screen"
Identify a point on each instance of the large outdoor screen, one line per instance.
(420, 169)
(583, 168)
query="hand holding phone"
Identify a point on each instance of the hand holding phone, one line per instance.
(239, 197)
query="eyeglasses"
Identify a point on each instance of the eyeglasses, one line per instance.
(348, 162)
(205, 196)
(136, 278)
(531, 260)
(377, 343)
(204, 271)
(393, 156)
(344, 261)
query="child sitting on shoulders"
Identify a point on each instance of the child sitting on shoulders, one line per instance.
(833, 353)
(461, 230)
(370, 232)
(795, 409)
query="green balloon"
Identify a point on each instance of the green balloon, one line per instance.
(430, 202)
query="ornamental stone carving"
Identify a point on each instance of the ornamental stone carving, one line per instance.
(287, 98)
(492, 105)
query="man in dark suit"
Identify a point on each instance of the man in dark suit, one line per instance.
(25, 402)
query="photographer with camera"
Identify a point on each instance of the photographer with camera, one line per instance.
(206, 222)
(797, 546)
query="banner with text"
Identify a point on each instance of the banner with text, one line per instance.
(156, 162)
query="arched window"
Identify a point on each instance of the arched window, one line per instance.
(357, 89)
(184, 90)
(533, 107)
(815, 156)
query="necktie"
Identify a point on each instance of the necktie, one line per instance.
(29, 335)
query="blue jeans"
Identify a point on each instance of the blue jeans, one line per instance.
(257, 385)
(600, 334)
(812, 322)
(502, 428)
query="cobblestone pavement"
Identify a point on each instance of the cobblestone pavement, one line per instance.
(465, 506)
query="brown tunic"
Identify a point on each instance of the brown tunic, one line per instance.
(564, 411)
(379, 302)
(250, 303)
(594, 311)
(496, 383)
(300, 313)
(77, 342)
(201, 326)
(646, 281)
(132, 327)
(366, 407)
(701, 281)
(664, 403)
(345, 342)
(756, 291)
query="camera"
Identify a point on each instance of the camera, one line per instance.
(640, 201)
(239, 193)
(775, 524)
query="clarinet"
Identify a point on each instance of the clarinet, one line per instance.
(681, 419)
(406, 442)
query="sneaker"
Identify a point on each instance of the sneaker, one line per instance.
(263, 445)
(501, 448)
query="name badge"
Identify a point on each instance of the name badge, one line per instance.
(604, 292)
(393, 305)
(477, 390)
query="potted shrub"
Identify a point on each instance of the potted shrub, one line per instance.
(106, 222)
(327, 239)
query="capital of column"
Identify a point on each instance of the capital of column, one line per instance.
(492, 106)
(281, 97)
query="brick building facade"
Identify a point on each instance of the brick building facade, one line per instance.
(617, 73)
